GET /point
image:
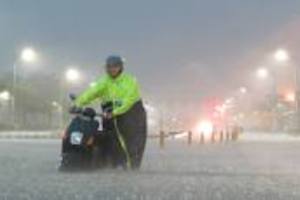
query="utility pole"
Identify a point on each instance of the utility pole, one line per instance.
(14, 96)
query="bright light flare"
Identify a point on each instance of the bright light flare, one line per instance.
(290, 97)
(262, 73)
(28, 55)
(72, 75)
(5, 96)
(183, 135)
(205, 127)
(243, 90)
(281, 55)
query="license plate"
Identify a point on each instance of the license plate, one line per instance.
(76, 138)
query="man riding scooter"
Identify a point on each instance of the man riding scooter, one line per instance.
(124, 114)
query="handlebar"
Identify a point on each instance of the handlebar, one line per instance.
(90, 112)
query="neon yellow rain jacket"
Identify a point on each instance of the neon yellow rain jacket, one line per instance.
(123, 91)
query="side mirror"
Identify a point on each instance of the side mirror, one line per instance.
(73, 97)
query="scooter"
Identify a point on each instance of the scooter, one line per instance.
(82, 142)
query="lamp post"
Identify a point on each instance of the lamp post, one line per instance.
(5, 97)
(28, 55)
(282, 56)
(265, 73)
(71, 76)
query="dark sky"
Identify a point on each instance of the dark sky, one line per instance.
(179, 49)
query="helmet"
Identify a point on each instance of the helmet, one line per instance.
(114, 60)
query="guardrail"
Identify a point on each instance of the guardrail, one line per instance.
(29, 134)
(215, 137)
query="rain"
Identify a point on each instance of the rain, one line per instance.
(218, 82)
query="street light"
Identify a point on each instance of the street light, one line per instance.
(5, 95)
(28, 55)
(262, 73)
(281, 55)
(243, 90)
(72, 75)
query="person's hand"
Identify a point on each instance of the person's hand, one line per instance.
(107, 115)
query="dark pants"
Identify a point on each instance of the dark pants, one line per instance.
(133, 127)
